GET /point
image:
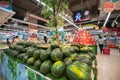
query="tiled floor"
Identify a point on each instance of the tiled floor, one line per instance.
(109, 66)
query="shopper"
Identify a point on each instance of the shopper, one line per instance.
(8, 42)
(101, 43)
(45, 38)
(15, 40)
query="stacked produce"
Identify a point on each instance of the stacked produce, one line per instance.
(58, 62)
(83, 37)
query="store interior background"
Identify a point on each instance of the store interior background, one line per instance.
(29, 8)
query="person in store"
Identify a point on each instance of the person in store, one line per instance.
(15, 40)
(8, 42)
(45, 38)
(33, 38)
(101, 43)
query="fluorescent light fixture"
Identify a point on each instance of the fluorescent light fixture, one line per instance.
(69, 21)
(60, 15)
(42, 3)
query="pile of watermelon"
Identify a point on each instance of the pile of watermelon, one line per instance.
(58, 62)
(83, 37)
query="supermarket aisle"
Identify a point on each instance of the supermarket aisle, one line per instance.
(109, 66)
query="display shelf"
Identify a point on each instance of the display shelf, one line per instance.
(18, 71)
(5, 14)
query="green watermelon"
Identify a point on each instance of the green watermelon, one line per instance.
(73, 56)
(56, 55)
(44, 55)
(55, 45)
(30, 51)
(67, 61)
(58, 69)
(72, 50)
(76, 49)
(31, 61)
(29, 43)
(25, 58)
(49, 75)
(36, 54)
(66, 52)
(83, 66)
(8, 51)
(37, 64)
(84, 56)
(74, 72)
(21, 56)
(46, 67)
(76, 45)
(61, 78)
(14, 53)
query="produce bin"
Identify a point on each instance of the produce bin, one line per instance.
(13, 70)
(106, 51)
(94, 47)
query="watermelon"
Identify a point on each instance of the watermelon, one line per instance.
(83, 66)
(49, 75)
(31, 61)
(84, 56)
(73, 56)
(46, 67)
(36, 54)
(44, 55)
(61, 78)
(19, 48)
(74, 72)
(54, 45)
(29, 43)
(21, 56)
(76, 49)
(56, 55)
(66, 52)
(72, 50)
(14, 53)
(8, 51)
(30, 51)
(25, 58)
(76, 45)
(37, 64)
(12, 46)
(67, 61)
(86, 49)
(58, 69)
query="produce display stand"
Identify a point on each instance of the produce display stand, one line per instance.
(14, 70)
(40, 62)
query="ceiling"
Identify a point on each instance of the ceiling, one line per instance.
(23, 6)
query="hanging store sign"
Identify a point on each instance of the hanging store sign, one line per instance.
(116, 5)
(108, 7)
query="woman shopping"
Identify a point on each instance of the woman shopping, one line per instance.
(101, 43)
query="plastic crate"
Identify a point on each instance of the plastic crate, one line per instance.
(106, 51)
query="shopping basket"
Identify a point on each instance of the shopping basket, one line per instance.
(106, 51)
